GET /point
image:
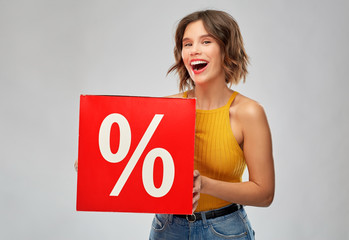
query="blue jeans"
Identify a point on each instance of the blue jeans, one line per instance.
(231, 226)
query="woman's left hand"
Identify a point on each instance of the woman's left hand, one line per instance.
(196, 189)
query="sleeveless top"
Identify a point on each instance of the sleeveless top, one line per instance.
(217, 154)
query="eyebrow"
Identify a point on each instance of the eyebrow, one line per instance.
(202, 36)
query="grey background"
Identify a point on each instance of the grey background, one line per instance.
(52, 51)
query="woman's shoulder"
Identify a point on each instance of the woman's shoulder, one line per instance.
(247, 109)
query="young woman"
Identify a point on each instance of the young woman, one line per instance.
(231, 133)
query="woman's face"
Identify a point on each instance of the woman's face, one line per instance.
(201, 55)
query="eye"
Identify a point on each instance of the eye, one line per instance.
(206, 42)
(187, 44)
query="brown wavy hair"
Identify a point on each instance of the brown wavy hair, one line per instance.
(226, 31)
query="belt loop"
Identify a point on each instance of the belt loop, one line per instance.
(204, 220)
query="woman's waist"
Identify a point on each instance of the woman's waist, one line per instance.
(208, 203)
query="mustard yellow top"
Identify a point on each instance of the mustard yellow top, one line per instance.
(217, 154)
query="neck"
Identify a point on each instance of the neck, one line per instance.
(211, 97)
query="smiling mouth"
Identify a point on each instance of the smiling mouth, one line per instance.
(198, 65)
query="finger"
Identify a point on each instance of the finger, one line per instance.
(196, 189)
(195, 205)
(197, 185)
(196, 197)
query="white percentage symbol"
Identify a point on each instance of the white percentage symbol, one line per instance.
(124, 147)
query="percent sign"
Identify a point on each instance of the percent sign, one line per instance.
(149, 160)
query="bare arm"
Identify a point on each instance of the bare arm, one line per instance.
(257, 147)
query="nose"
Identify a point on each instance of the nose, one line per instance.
(195, 50)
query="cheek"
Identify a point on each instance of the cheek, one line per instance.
(185, 59)
(184, 56)
(218, 59)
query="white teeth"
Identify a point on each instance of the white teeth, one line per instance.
(197, 62)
